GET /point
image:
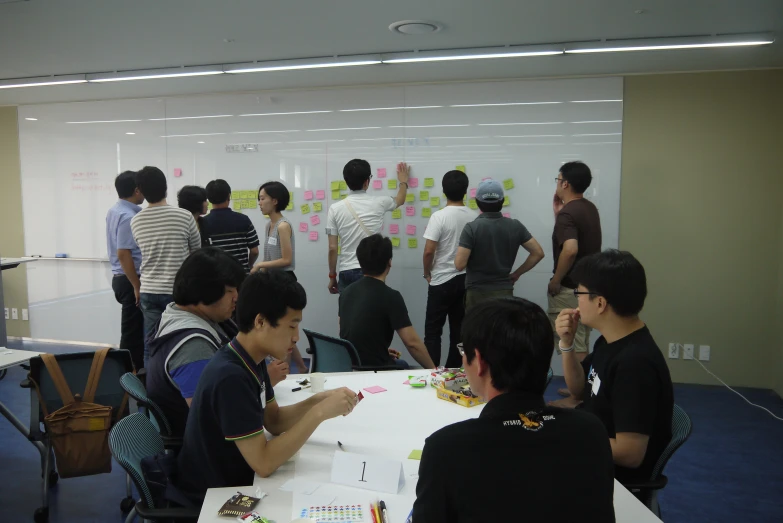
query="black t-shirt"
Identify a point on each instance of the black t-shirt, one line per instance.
(628, 386)
(228, 405)
(370, 314)
(577, 220)
(513, 463)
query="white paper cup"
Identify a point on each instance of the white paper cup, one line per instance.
(317, 379)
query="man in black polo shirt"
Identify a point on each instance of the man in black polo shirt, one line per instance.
(230, 231)
(625, 380)
(514, 456)
(488, 247)
(224, 443)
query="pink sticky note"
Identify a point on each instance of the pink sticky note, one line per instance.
(377, 184)
(473, 193)
(413, 182)
(410, 229)
(177, 173)
(381, 172)
(320, 195)
(506, 215)
(394, 229)
(410, 210)
(308, 195)
(302, 226)
(406, 382)
(313, 236)
(375, 389)
(315, 219)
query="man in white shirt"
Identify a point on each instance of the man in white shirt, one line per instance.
(446, 293)
(357, 217)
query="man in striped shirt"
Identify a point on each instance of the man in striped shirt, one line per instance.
(230, 231)
(166, 236)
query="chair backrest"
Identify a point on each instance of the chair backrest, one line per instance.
(549, 375)
(331, 354)
(135, 389)
(132, 439)
(681, 431)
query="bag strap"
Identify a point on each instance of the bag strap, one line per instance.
(41, 401)
(95, 375)
(59, 380)
(356, 217)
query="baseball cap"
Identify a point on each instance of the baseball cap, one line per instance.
(489, 191)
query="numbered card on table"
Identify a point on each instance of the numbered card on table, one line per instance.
(367, 472)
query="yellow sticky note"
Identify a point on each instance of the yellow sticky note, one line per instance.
(397, 214)
(237, 204)
(339, 250)
(343, 186)
(472, 204)
(461, 168)
(209, 206)
(248, 204)
(426, 212)
(336, 194)
(415, 454)
(410, 197)
(305, 208)
(395, 242)
(412, 243)
(429, 182)
(506, 202)
(508, 183)
(424, 195)
(235, 195)
(392, 184)
(318, 207)
(435, 201)
(290, 206)
(335, 186)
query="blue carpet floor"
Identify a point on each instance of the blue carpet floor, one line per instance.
(730, 470)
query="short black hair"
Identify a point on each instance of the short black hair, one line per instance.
(515, 338)
(152, 184)
(578, 175)
(615, 275)
(204, 276)
(355, 173)
(192, 198)
(374, 253)
(490, 206)
(269, 294)
(125, 183)
(277, 191)
(218, 191)
(455, 185)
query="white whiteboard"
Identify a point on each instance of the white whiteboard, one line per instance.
(518, 130)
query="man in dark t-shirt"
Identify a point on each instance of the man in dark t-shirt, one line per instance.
(371, 312)
(625, 382)
(227, 230)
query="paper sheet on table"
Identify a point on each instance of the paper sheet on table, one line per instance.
(300, 486)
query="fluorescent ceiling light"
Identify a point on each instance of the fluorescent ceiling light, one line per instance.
(531, 136)
(535, 144)
(185, 135)
(471, 54)
(150, 74)
(32, 119)
(420, 126)
(316, 141)
(375, 139)
(662, 44)
(309, 63)
(280, 114)
(599, 121)
(457, 137)
(498, 105)
(130, 133)
(200, 142)
(44, 80)
(472, 145)
(592, 101)
(106, 121)
(519, 123)
(265, 132)
(341, 129)
(391, 108)
(191, 117)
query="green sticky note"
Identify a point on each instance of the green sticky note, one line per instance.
(435, 201)
(424, 195)
(335, 186)
(235, 195)
(412, 243)
(506, 202)
(248, 204)
(209, 206)
(472, 204)
(461, 168)
(397, 214)
(246, 194)
(429, 182)
(410, 198)
(305, 208)
(426, 212)
(508, 183)
(339, 250)
(343, 186)
(318, 207)
(415, 454)
(237, 204)
(395, 242)
(392, 184)
(336, 194)
(290, 206)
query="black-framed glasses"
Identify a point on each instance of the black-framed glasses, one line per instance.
(558, 179)
(461, 349)
(588, 293)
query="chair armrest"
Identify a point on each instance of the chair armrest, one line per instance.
(175, 513)
(655, 484)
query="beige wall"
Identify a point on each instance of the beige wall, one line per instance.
(701, 208)
(11, 230)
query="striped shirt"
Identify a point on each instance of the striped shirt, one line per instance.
(273, 249)
(166, 236)
(231, 232)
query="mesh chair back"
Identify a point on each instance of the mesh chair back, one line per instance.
(132, 439)
(331, 354)
(135, 389)
(681, 431)
(549, 375)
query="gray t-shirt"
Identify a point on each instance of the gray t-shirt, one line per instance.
(493, 242)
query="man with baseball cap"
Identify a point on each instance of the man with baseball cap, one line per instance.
(488, 247)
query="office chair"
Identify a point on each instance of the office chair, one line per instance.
(336, 355)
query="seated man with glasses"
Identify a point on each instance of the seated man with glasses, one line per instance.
(625, 380)
(517, 452)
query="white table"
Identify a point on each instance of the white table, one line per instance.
(11, 358)
(380, 425)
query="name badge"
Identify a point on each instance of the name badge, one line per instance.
(272, 241)
(596, 385)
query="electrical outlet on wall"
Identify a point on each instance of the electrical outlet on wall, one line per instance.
(25, 315)
(687, 351)
(704, 352)
(674, 351)
(6, 313)
(14, 313)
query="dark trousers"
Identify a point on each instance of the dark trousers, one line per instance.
(152, 306)
(132, 324)
(445, 300)
(348, 277)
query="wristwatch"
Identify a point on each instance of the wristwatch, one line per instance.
(406, 184)
(333, 275)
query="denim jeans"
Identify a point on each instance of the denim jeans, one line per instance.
(152, 306)
(348, 277)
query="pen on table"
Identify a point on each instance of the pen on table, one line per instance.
(378, 513)
(372, 513)
(296, 389)
(384, 513)
(341, 446)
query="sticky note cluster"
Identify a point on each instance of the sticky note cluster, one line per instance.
(318, 206)
(381, 172)
(305, 208)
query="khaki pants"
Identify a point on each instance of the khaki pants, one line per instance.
(474, 296)
(565, 299)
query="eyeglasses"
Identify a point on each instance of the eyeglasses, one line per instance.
(577, 293)
(558, 179)
(461, 349)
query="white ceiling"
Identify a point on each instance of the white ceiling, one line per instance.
(45, 37)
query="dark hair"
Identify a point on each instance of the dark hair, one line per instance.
(615, 275)
(455, 185)
(125, 183)
(152, 184)
(374, 253)
(269, 294)
(204, 276)
(490, 207)
(218, 191)
(355, 173)
(277, 191)
(192, 198)
(515, 339)
(578, 175)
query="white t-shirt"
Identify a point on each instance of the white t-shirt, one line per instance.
(445, 227)
(340, 222)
